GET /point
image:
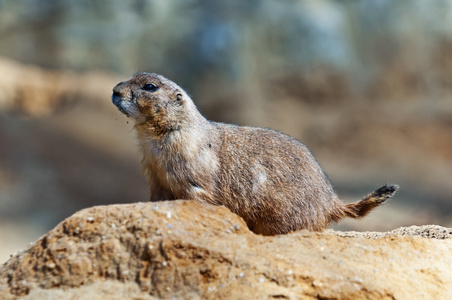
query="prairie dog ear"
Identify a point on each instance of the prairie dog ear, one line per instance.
(179, 99)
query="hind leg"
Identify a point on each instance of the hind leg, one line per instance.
(266, 227)
(262, 229)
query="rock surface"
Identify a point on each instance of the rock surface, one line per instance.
(182, 249)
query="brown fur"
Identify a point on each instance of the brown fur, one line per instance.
(270, 179)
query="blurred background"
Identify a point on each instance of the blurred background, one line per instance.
(366, 85)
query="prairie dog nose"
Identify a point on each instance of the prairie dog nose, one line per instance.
(117, 94)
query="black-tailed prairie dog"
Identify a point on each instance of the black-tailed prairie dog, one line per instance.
(268, 178)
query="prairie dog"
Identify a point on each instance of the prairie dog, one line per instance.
(268, 178)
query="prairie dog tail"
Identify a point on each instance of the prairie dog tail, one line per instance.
(363, 207)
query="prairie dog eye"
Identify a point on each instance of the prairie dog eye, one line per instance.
(150, 87)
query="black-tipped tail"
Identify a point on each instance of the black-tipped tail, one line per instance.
(363, 207)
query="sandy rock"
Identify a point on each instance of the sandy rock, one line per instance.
(182, 249)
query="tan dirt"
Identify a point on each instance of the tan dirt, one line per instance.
(186, 250)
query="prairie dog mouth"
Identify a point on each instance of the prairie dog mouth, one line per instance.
(128, 108)
(122, 109)
(121, 104)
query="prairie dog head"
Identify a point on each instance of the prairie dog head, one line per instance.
(151, 98)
